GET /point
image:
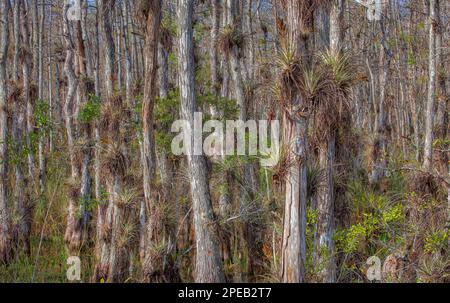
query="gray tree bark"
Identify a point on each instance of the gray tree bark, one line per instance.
(293, 250)
(431, 96)
(72, 241)
(208, 264)
(380, 148)
(5, 224)
(21, 183)
(40, 67)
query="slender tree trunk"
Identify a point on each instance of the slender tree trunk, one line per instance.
(208, 265)
(16, 16)
(101, 209)
(431, 97)
(442, 115)
(50, 80)
(214, 54)
(41, 144)
(71, 240)
(379, 144)
(21, 207)
(325, 199)
(29, 90)
(105, 210)
(5, 224)
(77, 228)
(128, 61)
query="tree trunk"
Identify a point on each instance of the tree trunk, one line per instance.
(29, 91)
(5, 224)
(22, 207)
(208, 265)
(77, 230)
(431, 97)
(325, 199)
(213, 53)
(42, 134)
(379, 144)
(71, 240)
(114, 260)
(247, 195)
(293, 250)
(157, 250)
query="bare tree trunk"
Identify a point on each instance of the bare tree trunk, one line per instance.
(128, 65)
(101, 209)
(78, 228)
(379, 144)
(325, 207)
(105, 209)
(208, 266)
(442, 115)
(16, 16)
(5, 224)
(50, 80)
(21, 207)
(214, 54)
(29, 91)
(431, 97)
(41, 144)
(72, 241)
(105, 7)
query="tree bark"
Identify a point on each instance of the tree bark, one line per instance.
(157, 247)
(325, 198)
(431, 96)
(208, 265)
(379, 144)
(293, 250)
(40, 67)
(5, 224)
(71, 240)
(77, 227)
(21, 183)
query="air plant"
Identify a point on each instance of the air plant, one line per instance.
(114, 163)
(229, 37)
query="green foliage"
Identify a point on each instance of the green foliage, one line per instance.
(436, 241)
(200, 30)
(377, 219)
(169, 24)
(42, 117)
(411, 58)
(17, 151)
(441, 142)
(166, 112)
(90, 111)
